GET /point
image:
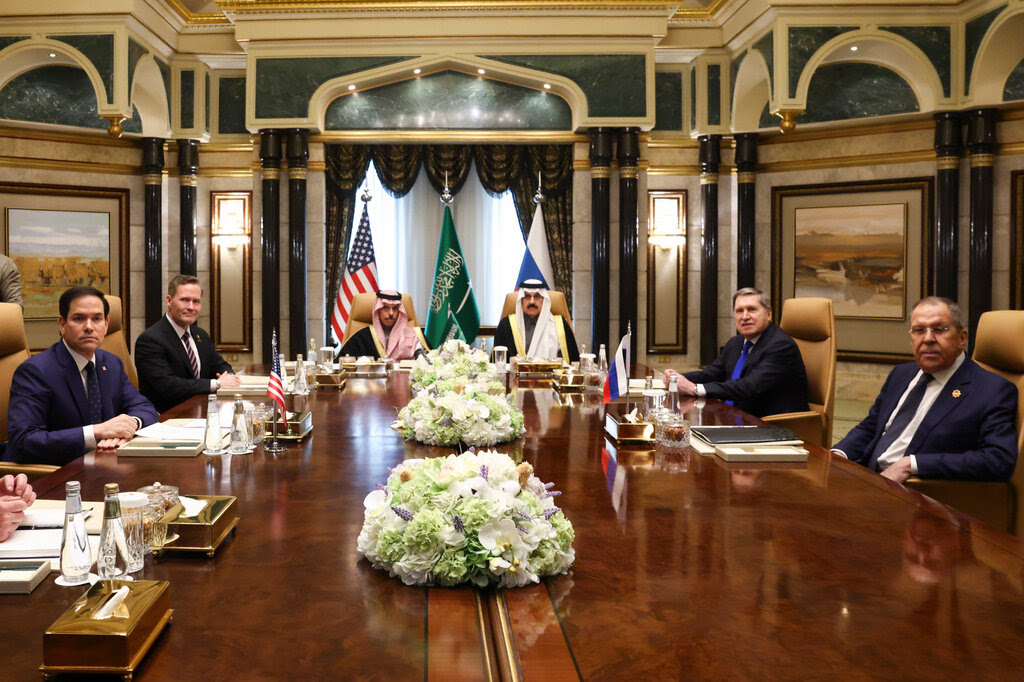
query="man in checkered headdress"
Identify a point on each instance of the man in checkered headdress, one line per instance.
(390, 335)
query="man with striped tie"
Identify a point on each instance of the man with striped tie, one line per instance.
(759, 370)
(176, 359)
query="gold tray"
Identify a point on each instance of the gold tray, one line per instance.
(77, 643)
(204, 532)
(623, 431)
(335, 381)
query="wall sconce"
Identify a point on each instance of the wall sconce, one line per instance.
(231, 218)
(666, 219)
(231, 270)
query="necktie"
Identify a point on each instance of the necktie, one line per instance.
(191, 356)
(95, 400)
(742, 360)
(899, 423)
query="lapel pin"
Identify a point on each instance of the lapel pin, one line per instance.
(956, 393)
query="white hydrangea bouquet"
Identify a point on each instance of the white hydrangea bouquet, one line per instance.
(452, 361)
(469, 518)
(467, 412)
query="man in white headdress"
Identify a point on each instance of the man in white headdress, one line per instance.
(533, 331)
(390, 334)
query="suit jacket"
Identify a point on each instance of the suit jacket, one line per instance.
(49, 408)
(10, 281)
(773, 379)
(165, 375)
(968, 433)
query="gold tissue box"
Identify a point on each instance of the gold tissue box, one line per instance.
(568, 381)
(77, 642)
(621, 430)
(297, 427)
(372, 369)
(536, 369)
(336, 380)
(203, 532)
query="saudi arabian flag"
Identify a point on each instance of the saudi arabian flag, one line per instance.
(453, 313)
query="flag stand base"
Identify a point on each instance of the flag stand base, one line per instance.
(274, 446)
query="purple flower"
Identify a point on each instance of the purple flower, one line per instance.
(522, 515)
(379, 486)
(483, 471)
(403, 514)
(521, 530)
(552, 493)
(472, 448)
(549, 486)
(548, 513)
(457, 522)
(447, 421)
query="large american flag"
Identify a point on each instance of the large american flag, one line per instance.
(274, 388)
(360, 276)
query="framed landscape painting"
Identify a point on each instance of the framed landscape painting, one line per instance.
(866, 246)
(61, 237)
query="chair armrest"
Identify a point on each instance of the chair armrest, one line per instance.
(32, 471)
(808, 426)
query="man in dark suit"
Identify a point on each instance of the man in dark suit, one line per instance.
(759, 370)
(175, 358)
(74, 397)
(942, 416)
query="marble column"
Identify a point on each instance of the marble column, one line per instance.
(746, 179)
(628, 157)
(981, 142)
(297, 151)
(710, 159)
(270, 156)
(948, 144)
(188, 166)
(153, 182)
(600, 208)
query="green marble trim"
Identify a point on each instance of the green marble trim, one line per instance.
(448, 101)
(734, 69)
(1014, 88)
(135, 53)
(766, 46)
(767, 119)
(849, 90)
(668, 101)
(7, 41)
(187, 88)
(714, 94)
(206, 107)
(936, 43)
(804, 41)
(284, 85)
(165, 72)
(693, 98)
(133, 124)
(614, 84)
(974, 32)
(56, 95)
(231, 106)
(98, 49)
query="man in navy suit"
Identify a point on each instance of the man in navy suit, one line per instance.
(759, 370)
(175, 358)
(942, 416)
(74, 397)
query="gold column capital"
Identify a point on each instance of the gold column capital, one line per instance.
(297, 173)
(628, 172)
(153, 179)
(271, 173)
(709, 178)
(746, 177)
(947, 162)
(600, 172)
(189, 181)
(982, 160)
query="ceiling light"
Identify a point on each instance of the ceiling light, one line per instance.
(547, 86)
(53, 54)
(352, 87)
(853, 48)
(417, 70)
(481, 71)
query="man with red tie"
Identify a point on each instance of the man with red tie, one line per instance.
(759, 370)
(176, 359)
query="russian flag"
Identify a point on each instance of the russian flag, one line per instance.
(617, 382)
(537, 259)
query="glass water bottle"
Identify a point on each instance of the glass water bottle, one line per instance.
(113, 556)
(602, 359)
(300, 385)
(214, 434)
(75, 557)
(239, 429)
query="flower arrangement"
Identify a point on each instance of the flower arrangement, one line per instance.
(469, 518)
(466, 412)
(453, 360)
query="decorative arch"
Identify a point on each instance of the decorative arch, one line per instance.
(402, 71)
(150, 98)
(751, 92)
(884, 49)
(1000, 51)
(34, 53)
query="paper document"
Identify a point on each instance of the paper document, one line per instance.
(93, 513)
(46, 518)
(175, 429)
(637, 385)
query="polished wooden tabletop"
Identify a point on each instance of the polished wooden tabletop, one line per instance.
(686, 568)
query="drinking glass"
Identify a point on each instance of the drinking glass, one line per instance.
(500, 358)
(133, 518)
(327, 360)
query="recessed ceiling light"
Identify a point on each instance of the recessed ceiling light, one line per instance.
(547, 86)
(352, 87)
(53, 54)
(417, 70)
(481, 71)
(853, 48)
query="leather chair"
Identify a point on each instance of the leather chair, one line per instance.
(115, 341)
(558, 306)
(361, 315)
(997, 348)
(13, 352)
(811, 323)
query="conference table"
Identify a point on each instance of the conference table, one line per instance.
(687, 567)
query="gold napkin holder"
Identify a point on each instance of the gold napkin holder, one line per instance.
(621, 430)
(203, 532)
(334, 380)
(376, 369)
(296, 427)
(568, 382)
(536, 369)
(78, 643)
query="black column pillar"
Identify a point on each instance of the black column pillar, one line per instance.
(298, 157)
(152, 179)
(948, 143)
(628, 156)
(710, 158)
(600, 203)
(188, 165)
(746, 179)
(981, 142)
(270, 235)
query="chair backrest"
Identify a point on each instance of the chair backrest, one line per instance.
(998, 348)
(115, 341)
(361, 314)
(13, 352)
(811, 323)
(558, 305)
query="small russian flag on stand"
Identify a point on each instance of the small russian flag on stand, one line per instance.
(617, 382)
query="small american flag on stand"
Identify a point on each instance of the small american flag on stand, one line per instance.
(360, 276)
(274, 388)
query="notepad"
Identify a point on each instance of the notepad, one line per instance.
(156, 447)
(747, 435)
